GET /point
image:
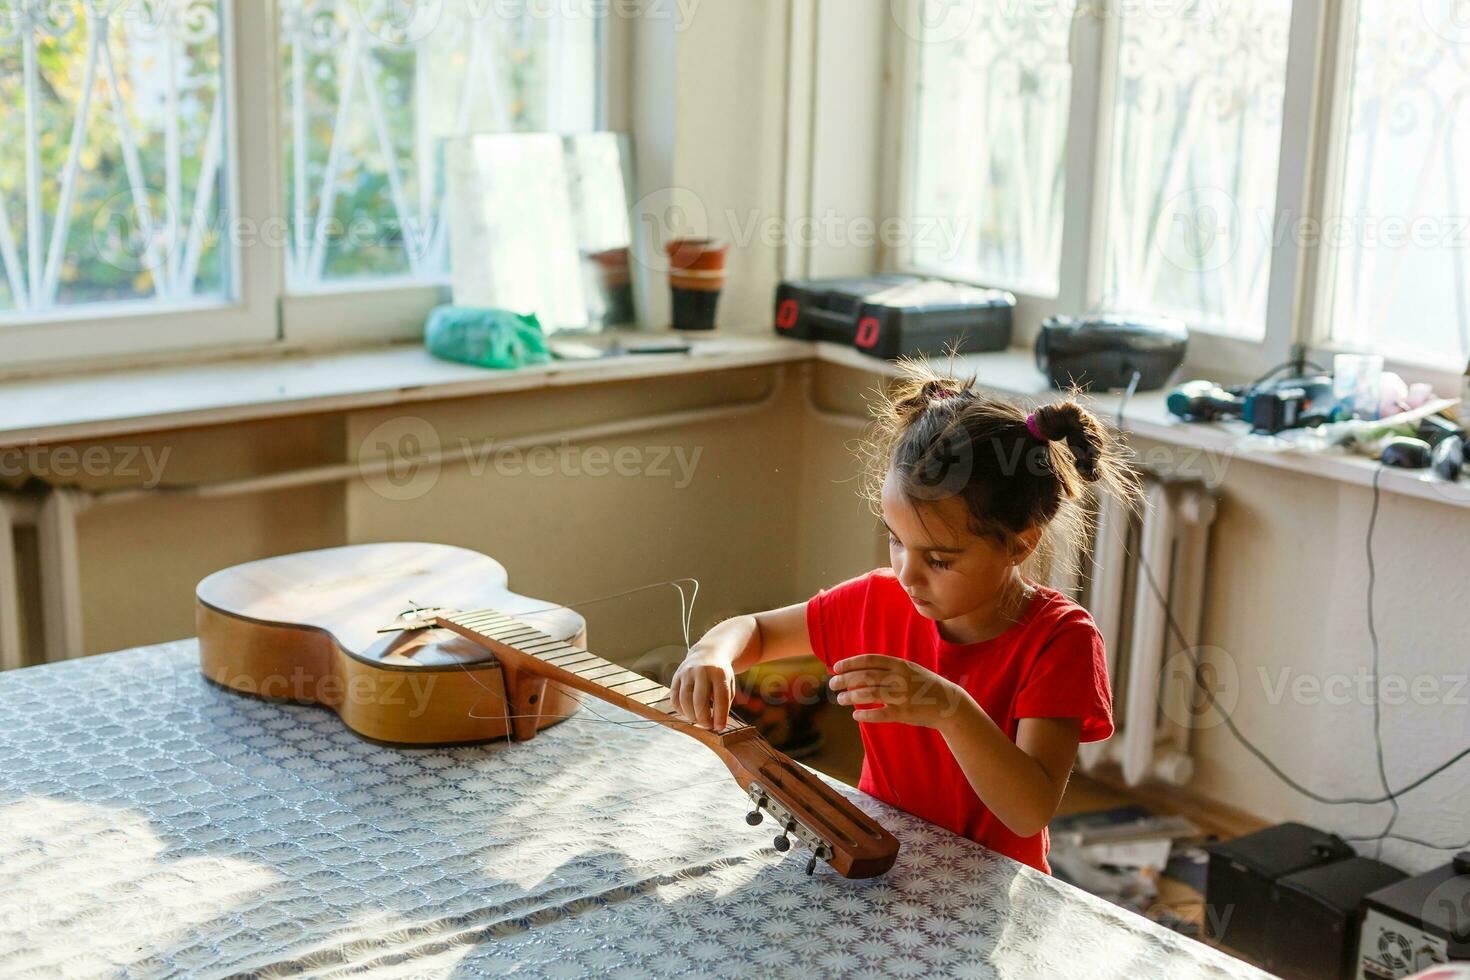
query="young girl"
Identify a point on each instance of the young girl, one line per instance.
(972, 687)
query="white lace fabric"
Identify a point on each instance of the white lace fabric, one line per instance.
(152, 824)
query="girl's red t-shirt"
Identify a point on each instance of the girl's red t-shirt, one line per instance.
(1050, 664)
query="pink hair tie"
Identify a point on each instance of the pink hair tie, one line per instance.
(1034, 429)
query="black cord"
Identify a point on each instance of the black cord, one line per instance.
(1299, 365)
(1373, 636)
(1390, 796)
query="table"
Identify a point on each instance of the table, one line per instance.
(153, 824)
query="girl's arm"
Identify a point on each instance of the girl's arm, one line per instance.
(1021, 782)
(704, 684)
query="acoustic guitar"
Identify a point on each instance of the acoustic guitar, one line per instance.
(421, 644)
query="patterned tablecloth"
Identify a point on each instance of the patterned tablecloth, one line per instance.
(152, 824)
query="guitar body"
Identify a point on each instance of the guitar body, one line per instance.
(306, 628)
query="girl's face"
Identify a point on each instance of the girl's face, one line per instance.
(948, 571)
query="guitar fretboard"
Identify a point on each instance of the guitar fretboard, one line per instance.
(563, 656)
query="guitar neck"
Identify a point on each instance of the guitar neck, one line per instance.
(803, 806)
(527, 649)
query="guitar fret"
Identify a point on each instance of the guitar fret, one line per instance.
(503, 634)
(571, 654)
(601, 671)
(635, 688)
(612, 681)
(542, 647)
(510, 635)
(572, 662)
(480, 621)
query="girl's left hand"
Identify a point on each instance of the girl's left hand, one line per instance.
(897, 690)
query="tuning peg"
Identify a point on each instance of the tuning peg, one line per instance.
(755, 816)
(811, 866)
(783, 842)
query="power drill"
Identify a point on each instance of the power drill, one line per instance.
(1269, 405)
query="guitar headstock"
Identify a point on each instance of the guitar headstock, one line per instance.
(807, 809)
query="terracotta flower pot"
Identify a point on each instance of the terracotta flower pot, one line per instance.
(697, 275)
(617, 284)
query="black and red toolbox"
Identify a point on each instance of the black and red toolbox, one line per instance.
(892, 316)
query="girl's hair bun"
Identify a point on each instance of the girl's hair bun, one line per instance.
(915, 398)
(1084, 435)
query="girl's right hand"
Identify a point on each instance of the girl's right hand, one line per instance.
(703, 687)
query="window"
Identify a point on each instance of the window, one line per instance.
(156, 194)
(990, 143)
(369, 94)
(1399, 250)
(1196, 167)
(1196, 142)
(113, 177)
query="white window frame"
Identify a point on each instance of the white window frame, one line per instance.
(263, 317)
(1313, 137)
(106, 333)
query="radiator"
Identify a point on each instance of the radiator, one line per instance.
(10, 650)
(1153, 676)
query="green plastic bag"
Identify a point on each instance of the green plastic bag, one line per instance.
(486, 337)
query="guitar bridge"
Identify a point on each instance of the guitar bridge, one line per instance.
(791, 826)
(417, 618)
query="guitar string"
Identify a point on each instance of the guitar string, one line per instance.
(686, 616)
(686, 613)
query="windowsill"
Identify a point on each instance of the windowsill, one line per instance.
(109, 404)
(113, 403)
(1014, 373)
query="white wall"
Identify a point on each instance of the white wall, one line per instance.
(755, 123)
(1287, 606)
(710, 111)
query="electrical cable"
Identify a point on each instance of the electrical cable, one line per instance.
(1390, 795)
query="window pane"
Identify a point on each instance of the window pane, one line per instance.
(1399, 245)
(1196, 145)
(371, 90)
(991, 142)
(112, 170)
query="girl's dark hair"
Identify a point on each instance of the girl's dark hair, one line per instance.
(941, 438)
